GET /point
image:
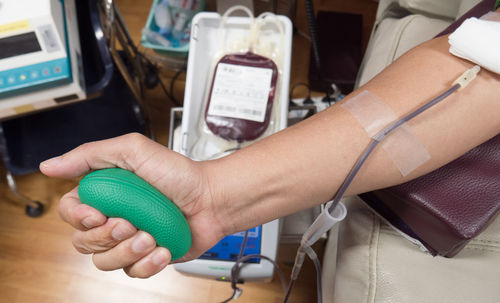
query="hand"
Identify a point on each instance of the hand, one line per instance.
(114, 242)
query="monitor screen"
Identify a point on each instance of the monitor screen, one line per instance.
(19, 45)
(229, 248)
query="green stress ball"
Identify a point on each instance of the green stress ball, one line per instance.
(119, 193)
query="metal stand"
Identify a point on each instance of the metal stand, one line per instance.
(32, 208)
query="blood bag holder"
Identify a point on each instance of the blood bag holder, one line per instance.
(204, 46)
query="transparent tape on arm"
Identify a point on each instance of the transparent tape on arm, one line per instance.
(241, 97)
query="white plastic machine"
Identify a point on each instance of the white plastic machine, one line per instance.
(217, 262)
(40, 57)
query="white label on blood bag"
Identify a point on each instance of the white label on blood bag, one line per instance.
(240, 92)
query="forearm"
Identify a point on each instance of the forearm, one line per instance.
(304, 165)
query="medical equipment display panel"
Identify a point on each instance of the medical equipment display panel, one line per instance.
(19, 45)
(40, 56)
(229, 248)
(33, 39)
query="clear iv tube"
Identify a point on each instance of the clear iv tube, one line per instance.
(460, 83)
(299, 260)
(272, 18)
(228, 13)
(314, 257)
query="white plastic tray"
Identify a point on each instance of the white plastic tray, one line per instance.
(204, 45)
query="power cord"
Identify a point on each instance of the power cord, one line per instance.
(234, 279)
(334, 96)
(152, 78)
(331, 96)
(170, 93)
(275, 7)
(240, 262)
(314, 36)
(311, 22)
(174, 78)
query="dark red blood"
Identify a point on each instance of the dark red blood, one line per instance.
(235, 128)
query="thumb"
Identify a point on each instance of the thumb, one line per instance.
(127, 152)
(176, 176)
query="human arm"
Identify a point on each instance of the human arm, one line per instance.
(292, 170)
(322, 150)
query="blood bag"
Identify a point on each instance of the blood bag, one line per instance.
(241, 96)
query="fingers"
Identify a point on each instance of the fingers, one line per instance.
(78, 215)
(149, 265)
(125, 253)
(127, 152)
(104, 237)
(115, 242)
(138, 254)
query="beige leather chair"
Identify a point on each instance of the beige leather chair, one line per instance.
(372, 262)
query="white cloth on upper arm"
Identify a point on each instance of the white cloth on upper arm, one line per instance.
(478, 41)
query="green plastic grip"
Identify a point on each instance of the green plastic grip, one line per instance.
(120, 193)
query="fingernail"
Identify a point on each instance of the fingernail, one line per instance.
(90, 222)
(121, 232)
(160, 258)
(142, 243)
(51, 162)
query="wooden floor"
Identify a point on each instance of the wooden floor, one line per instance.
(38, 263)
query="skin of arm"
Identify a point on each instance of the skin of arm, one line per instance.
(292, 170)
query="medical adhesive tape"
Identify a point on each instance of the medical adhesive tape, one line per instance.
(402, 145)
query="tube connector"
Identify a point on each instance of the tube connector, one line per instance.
(467, 77)
(237, 293)
(297, 266)
(323, 223)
